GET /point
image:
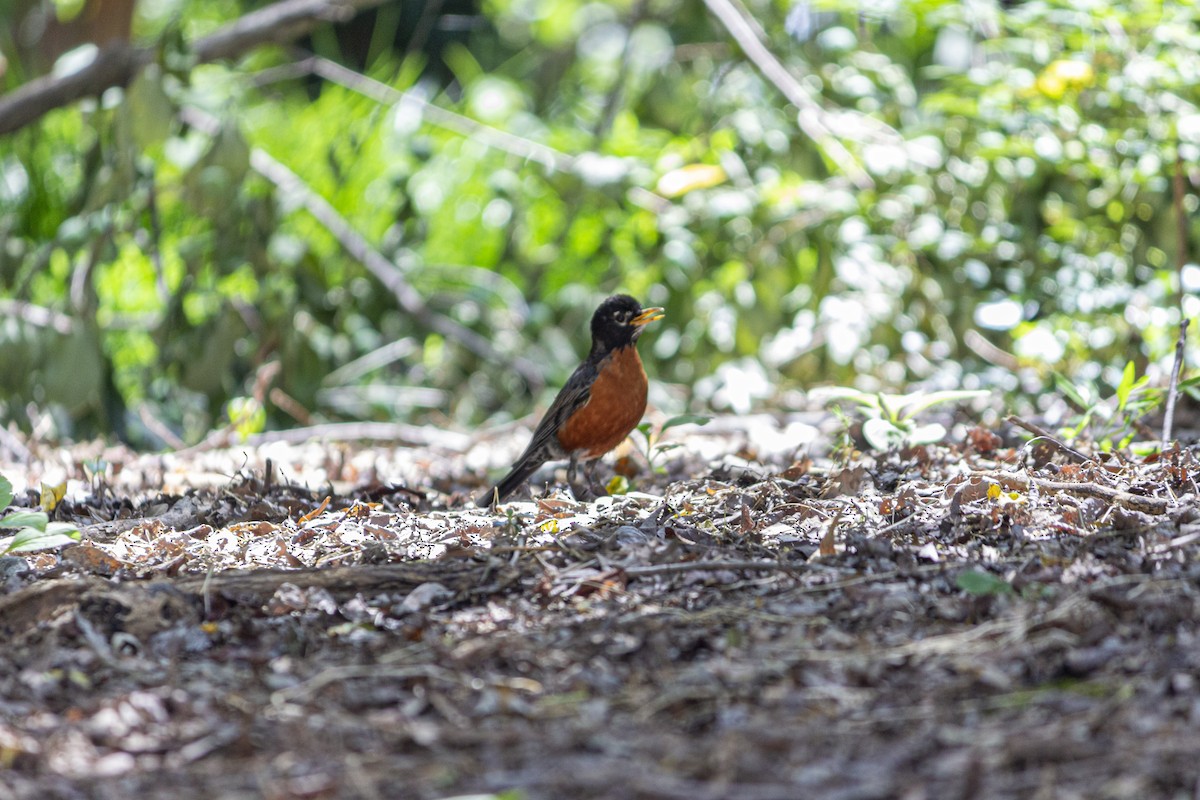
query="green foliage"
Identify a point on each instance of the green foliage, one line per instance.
(1112, 422)
(982, 584)
(246, 416)
(1022, 163)
(649, 440)
(890, 420)
(34, 530)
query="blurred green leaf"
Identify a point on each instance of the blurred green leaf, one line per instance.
(23, 519)
(982, 584)
(684, 419)
(56, 534)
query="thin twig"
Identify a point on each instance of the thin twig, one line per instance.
(421, 435)
(1181, 227)
(291, 185)
(707, 566)
(1151, 505)
(1041, 433)
(413, 103)
(159, 428)
(812, 119)
(980, 346)
(1173, 391)
(160, 274)
(387, 273)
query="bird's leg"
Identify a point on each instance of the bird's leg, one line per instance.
(571, 465)
(584, 491)
(589, 473)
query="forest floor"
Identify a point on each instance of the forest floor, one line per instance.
(980, 619)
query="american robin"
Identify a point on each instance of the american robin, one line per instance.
(603, 400)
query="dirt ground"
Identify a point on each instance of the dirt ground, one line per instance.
(980, 619)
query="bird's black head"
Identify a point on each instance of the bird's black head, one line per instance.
(619, 321)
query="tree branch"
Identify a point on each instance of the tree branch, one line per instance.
(280, 22)
(290, 184)
(412, 102)
(384, 270)
(812, 119)
(1173, 390)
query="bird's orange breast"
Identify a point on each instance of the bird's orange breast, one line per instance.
(614, 408)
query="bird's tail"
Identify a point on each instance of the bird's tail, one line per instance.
(511, 482)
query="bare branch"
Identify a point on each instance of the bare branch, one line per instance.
(116, 66)
(353, 242)
(1173, 391)
(812, 119)
(384, 270)
(1041, 433)
(494, 138)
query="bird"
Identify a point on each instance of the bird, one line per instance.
(599, 405)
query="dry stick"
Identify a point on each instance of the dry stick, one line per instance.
(418, 435)
(412, 103)
(1181, 225)
(290, 185)
(1042, 433)
(812, 118)
(279, 22)
(709, 566)
(464, 126)
(1152, 505)
(384, 270)
(1176, 368)
(1181, 257)
(980, 346)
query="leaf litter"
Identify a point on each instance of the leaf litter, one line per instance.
(957, 620)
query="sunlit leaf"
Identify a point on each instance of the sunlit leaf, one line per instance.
(23, 519)
(56, 534)
(685, 419)
(679, 182)
(247, 416)
(1073, 393)
(6, 493)
(618, 484)
(915, 404)
(927, 434)
(52, 495)
(827, 395)
(882, 434)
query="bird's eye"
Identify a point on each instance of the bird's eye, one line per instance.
(621, 316)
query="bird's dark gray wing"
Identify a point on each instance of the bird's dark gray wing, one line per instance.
(544, 444)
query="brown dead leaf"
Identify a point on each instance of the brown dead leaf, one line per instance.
(826, 547)
(87, 557)
(981, 440)
(797, 470)
(315, 512)
(851, 480)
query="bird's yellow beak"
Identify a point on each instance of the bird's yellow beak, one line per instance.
(647, 316)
